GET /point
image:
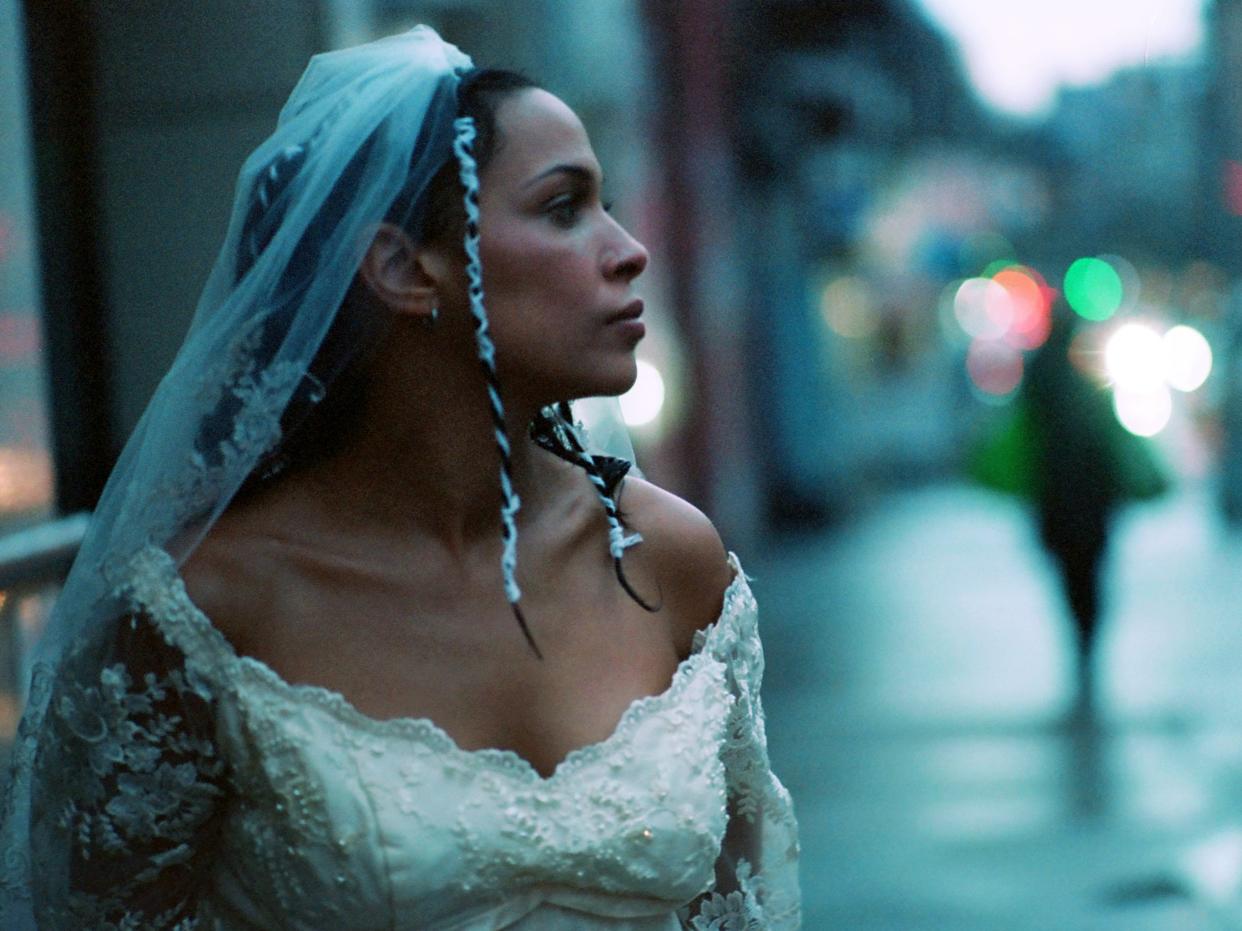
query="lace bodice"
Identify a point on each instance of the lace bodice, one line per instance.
(296, 811)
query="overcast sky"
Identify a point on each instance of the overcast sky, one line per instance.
(1017, 52)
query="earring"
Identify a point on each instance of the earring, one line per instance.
(430, 320)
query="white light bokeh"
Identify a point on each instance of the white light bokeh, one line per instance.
(984, 309)
(1019, 52)
(1144, 413)
(1188, 358)
(643, 402)
(1134, 359)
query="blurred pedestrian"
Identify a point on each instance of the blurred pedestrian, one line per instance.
(1084, 465)
(1076, 485)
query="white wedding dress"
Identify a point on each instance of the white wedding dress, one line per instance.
(208, 793)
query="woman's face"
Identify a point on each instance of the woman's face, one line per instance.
(558, 269)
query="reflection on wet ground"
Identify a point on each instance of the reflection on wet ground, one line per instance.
(921, 709)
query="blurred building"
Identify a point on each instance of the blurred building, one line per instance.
(25, 433)
(1221, 120)
(833, 102)
(1220, 232)
(1126, 179)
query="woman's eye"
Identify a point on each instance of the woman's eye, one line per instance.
(564, 211)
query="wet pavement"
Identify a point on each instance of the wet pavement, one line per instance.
(921, 710)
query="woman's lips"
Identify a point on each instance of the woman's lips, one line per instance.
(627, 319)
(630, 312)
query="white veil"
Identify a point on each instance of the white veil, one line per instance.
(377, 120)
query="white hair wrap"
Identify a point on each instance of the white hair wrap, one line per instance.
(510, 503)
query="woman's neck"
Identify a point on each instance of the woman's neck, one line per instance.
(424, 461)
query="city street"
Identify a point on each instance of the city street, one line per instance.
(919, 706)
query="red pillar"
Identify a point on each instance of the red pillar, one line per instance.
(694, 42)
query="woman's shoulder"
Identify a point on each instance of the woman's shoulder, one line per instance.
(683, 550)
(233, 579)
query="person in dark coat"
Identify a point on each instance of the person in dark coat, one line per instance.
(1077, 481)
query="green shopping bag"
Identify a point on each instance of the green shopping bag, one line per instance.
(1004, 459)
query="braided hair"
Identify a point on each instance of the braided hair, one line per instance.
(554, 429)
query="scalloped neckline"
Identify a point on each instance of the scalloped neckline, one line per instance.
(426, 730)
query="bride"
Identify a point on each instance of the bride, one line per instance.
(367, 632)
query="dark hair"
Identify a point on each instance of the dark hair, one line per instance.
(479, 96)
(318, 423)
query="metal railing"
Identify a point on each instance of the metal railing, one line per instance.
(42, 554)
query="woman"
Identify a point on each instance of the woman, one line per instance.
(299, 565)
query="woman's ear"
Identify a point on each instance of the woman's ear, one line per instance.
(399, 274)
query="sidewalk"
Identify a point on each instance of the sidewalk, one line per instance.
(917, 690)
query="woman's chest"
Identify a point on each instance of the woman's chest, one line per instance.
(470, 670)
(334, 809)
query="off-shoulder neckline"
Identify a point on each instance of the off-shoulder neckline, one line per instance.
(420, 728)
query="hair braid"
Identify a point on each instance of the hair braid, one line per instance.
(509, 501)
(618, 541)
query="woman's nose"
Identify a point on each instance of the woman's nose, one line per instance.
(627, 258)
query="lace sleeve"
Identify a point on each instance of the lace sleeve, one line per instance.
(127, 787)
(757, 873)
